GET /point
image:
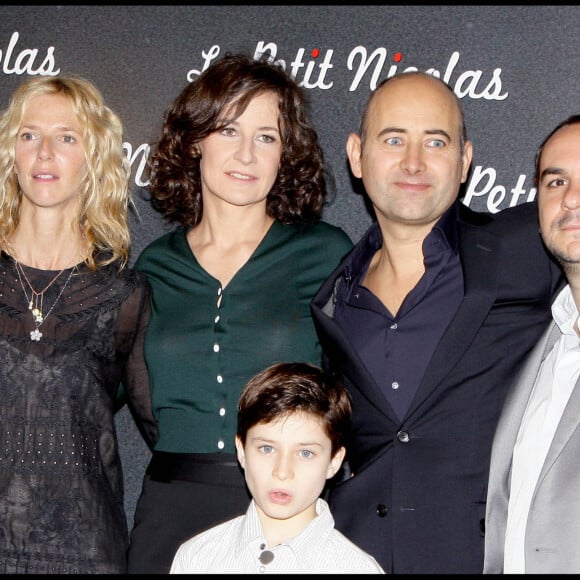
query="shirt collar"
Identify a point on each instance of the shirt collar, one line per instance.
(251, 531)
(446, 228)
(565, 311)
(314, 537)
(307, 544)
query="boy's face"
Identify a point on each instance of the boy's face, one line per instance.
(287, 463)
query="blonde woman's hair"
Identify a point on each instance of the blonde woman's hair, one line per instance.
(104, 194)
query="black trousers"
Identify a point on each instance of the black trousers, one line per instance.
(182, 495)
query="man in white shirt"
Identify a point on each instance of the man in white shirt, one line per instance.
(533, 503)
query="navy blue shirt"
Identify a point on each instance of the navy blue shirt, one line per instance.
(396, 349)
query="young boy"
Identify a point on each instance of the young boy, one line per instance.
(292, 422)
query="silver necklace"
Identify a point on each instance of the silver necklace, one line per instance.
(36, 300)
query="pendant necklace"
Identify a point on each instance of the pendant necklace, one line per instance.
(36, 299)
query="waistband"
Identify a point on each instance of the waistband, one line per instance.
(216, 468)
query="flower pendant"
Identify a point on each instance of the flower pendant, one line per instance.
(35, 335)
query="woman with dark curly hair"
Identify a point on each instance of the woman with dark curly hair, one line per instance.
(240, 171)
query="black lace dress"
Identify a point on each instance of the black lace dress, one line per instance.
(61, 483)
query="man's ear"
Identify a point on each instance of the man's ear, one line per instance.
(240, 451)
(335, 463)
(354, 152)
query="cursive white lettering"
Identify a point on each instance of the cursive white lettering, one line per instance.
(24, 61)
(482, 183)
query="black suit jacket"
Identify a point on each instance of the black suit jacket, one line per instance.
(416, 491)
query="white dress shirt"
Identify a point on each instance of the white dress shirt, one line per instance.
(235, 547)
(554, 384)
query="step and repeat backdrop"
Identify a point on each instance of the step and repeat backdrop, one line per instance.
(515, 68)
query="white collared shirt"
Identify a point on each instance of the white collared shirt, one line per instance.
(235, 547)
(554, 384)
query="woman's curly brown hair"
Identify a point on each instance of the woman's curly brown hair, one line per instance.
(174, 168)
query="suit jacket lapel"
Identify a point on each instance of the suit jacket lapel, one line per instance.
(347, 361)
(478, 250)
(566, 428)
(516, 403)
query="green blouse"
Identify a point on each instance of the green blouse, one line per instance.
(204, 342)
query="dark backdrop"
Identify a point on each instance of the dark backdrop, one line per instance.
(514, 67)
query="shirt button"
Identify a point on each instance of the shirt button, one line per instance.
(219, 291)
(395, 385)
(403, 437)
(382, 510)
(216, 347)
(222, 412)
(221, 444)
(216, 319)
(219, 379)
(394, 326)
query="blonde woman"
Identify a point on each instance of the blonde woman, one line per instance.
(72, 319)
